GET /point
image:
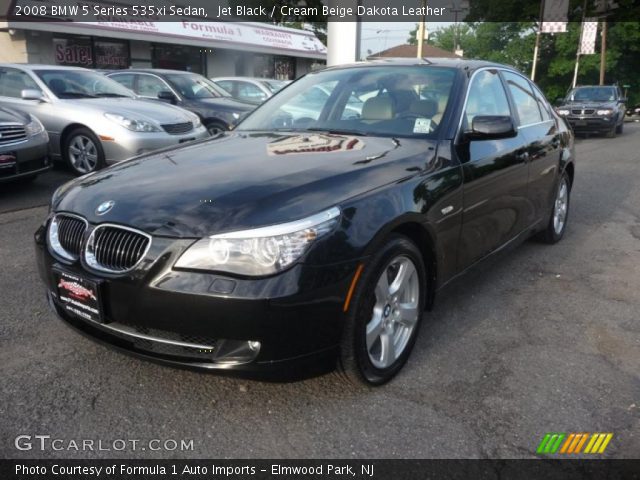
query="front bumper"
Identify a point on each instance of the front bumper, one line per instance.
(592, 124)
(127, 144)
(296, 315)
(31, 158)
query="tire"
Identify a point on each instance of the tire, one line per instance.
(83, 152)
(620, 128)
(215, 128)
(365, 361)
(612, 133)
(559, 215)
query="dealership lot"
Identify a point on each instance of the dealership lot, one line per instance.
(540, 339)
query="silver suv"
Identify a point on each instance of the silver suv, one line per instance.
(93, 121)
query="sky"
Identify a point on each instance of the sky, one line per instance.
(378, 36)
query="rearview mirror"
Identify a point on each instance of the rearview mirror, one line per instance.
(167, 95)
(32, 94)
(491, 127)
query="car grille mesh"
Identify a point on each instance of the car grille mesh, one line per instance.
(580, 111)
(177, 128)
(118, 249)
(12, 133)
(70, 233)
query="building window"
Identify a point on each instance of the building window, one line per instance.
(74, 51)
(280, 68)
(89, 52)
(178, 57)
(111, 54)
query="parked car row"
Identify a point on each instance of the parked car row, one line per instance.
(91, 119)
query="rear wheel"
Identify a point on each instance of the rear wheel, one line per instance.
(83, 151)
(560, 213)
(384, 315)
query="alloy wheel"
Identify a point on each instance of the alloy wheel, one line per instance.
(83, 154)
(561, 206)
(395, 313)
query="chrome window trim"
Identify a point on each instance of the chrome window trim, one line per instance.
(90, 261)
(66, 256)
(466, 97)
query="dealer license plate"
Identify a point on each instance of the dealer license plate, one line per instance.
(78, 296)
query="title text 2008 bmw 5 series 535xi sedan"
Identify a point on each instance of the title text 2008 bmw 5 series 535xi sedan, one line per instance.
(301, 243)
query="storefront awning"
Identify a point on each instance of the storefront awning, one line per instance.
(258, 37)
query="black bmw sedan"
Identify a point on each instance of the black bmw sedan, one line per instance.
(308, 240)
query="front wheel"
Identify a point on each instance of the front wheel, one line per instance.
(384, 314)
(83, 151)
(560, 213)
(216, 128)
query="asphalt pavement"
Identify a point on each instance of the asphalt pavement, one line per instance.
(539, 339)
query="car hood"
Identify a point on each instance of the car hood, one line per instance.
(11, 115)
(227, 104)
(242, 180)
(149, 110)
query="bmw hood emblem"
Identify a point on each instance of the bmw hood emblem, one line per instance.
(105, 207)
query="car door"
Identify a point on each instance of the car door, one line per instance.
(539, 127)
(494, 173)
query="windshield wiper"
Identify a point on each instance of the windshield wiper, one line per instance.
(108, 94)
(76, 95)
(337, 131)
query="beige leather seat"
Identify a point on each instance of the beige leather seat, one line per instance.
(376, 109)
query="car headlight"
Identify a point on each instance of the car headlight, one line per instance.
(132, 123)
(196, 121)
(236, 115)
(606, 111)
(562, 112)
(260, 251)
(34, 127)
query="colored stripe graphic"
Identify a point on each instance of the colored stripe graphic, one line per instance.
(573, 443)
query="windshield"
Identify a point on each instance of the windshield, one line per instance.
(592, 94)
(81, 84)
(193, 86)
(376, 100)
(273, 85)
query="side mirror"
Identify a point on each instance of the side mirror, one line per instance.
(559, 101)
(622, 100)
(32, 94)
(491, 127)
(167, 96)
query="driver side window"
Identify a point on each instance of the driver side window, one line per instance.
(486, 97)
(12, 82)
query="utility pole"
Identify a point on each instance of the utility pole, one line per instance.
(537, 45)
(421, 29)
(603, 50)
(575, 71)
